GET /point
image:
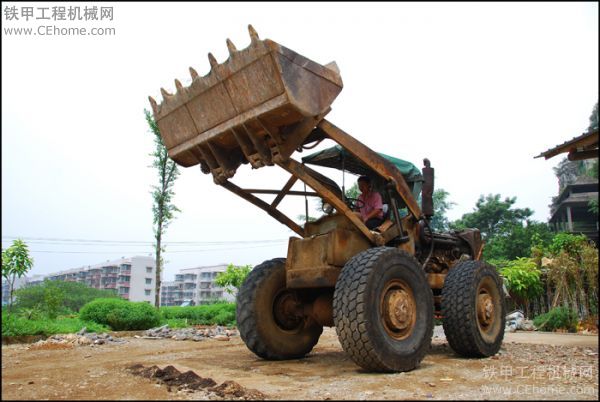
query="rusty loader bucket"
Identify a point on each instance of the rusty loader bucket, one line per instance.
(257, 107)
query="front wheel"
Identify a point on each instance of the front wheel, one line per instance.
(383, 310)
(473, 309)
(268, 318)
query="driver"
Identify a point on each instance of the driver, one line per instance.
(371, 209)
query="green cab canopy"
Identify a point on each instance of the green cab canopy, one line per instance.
(337, 157)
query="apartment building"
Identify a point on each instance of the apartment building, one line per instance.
(195, 284)
(131, 278)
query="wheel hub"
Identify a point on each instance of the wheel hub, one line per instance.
(287, 311)
(398, 309)
(485, 309)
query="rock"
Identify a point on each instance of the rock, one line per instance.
(82, 331)
(526, 325)
(99, 342)
(221, 338)
(84, 341)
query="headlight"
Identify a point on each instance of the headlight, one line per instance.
(327, 208)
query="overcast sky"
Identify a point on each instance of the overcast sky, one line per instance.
(479, 89)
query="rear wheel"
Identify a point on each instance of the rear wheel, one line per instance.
(269, 316)
(383, 310)
(473, 309)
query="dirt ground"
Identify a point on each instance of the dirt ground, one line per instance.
(530, 365)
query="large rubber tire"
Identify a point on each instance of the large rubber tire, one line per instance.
(256, 320)
(468, 287)
(363, 294)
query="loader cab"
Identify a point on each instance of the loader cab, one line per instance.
(338, 158)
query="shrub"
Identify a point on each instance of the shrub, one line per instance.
(221, 314)
(569, 243)
(557, 318)
(121, 315)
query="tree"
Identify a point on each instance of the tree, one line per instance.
(518, 241)
(353, 191)
(162, 207)
(441, 205)
(567, 172)
(493, 216)
(15, 264)
(594, 119)
(75, 295)
(573, 273)
(523, 280)
(233, 277)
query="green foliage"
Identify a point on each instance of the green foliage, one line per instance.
(441, 205)
(353, 191)
(121, 315)
(593, 170)
(221, 314)
(31, 313)
(75, 295)
(21, 326)
(175, 322)
(593, 206)
(569, 243)
(518, 241)
(522, 278)
(233, 277)
(573, 273)
(162, 207)
(53, 300)
(493, 216)
(594, 119)
(557, 318)
(15, 264)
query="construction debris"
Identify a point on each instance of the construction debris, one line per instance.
(65, 341)
(192, 333)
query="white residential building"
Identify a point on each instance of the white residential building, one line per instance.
(196, 284)
(132, 278)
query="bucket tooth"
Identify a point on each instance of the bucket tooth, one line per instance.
(165, 94)
(178, 85)
(253, 34)
(212, 61)
(231, 47)
(154, 105)
(193, 73)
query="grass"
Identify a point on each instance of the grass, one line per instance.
(175, 317)
(175, 322)
(210, 314)
(18, 326)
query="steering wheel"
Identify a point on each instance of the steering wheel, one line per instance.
(354, 203)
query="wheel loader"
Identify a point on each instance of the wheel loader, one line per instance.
(382, 288)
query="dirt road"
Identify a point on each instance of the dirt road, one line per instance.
(539, 366)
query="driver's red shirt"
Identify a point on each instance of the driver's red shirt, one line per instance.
(372, 200)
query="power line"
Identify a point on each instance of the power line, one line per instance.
(61, 241)
(147, 251)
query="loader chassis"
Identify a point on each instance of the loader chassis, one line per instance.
(380, 288)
